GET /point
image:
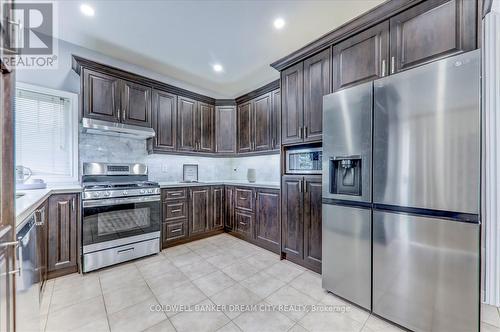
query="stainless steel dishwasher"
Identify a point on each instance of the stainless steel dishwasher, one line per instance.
(27, 281)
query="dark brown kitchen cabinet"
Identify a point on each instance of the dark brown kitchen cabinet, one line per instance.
(174, 231)
(316, 85)
(244, 199)
(301, 220)
(164, 120)
(244, 134)
(218, 208)
(101, 96)
(432, 30)
(229, 206)
(199, 205)
(186, 113)
(225, 129)
(261, 123)
(361, 58)
(276, 119)
(292, 106)
(62, 235)
(175, 215)
(204, 124)
(42, 220)
(136, 104)
(267, 220)
(243, 223)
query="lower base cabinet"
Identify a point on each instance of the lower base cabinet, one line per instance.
(267, 221)
(62, 231)
(301, 220)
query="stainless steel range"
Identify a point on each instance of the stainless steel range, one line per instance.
(120, 214)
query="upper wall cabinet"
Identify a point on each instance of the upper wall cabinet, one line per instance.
(363, 57)
(205, 129)
(302, 89)
(164, 120)
(225, 129)
(108, 98)
(432, 30)
(195, 125)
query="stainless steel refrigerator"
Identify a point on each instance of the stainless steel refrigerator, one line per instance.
(401, 195)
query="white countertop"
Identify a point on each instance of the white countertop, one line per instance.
(28, 203)
(242, 183)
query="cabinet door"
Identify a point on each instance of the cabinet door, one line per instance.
(267, 221)
(361, 58)
(312, 222)
(244, 136)
(262, 111)
(217, 208)
(164, 120)
(432, 30)
(101, 96)
(229, 203)
(225, 129)
(136, 104)
(174, 231)
(276, 119)
(244, 199)
(62, 232)
(205, 128)
(292, 217)
(292, 107)
(42, 235)
(316, 85)
(244, 223)
(200, 210)
(186, 112)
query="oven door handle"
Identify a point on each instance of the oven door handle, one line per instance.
(119, 201)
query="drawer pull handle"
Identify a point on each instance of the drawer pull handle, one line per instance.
(242, 223)
(176, 210)
(176, 230)
(176, 194)
(124, 251)
(243, 198)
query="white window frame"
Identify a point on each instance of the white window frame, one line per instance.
(73, 119)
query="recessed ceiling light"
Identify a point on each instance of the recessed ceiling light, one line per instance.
(87, 10)
(217, 67)
(279, 23)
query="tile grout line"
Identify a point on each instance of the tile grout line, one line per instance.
(50, 302)
(104, 303)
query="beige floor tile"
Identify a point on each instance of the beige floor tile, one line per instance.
(234, 296)
(327, 322)
(175, 251)
(136, 318)
(309, 283)
(230, 327)
(285, 271)
(213, 251)
(187, 259)
(164, 326)
(122, 298)
(176, 299)
(46, 297)
(263, 321)
(77, 315)
(262, 260)
(240, 271)
(195, 271)
(489, 328)
(214, 282)
(76, 280)
(376, 324)
(67, 295)
(262, 284)
(198, 320)
(298, 328)
(99, 325)
(490, 315)
(223, 260)
(242, 251)
(172, 277)
(158, 269)
(121, 277)
(150, 259)
(43, 322)
(290, 296)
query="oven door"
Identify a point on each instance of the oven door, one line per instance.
(116, 221)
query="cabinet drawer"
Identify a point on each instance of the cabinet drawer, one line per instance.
(175, 210)
(171, 194)
(244, 199)
(175, 230)
(243, 222)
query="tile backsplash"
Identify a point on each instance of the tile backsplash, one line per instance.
(101, 148)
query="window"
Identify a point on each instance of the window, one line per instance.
(47, 132)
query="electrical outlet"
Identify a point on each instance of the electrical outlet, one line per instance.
(164, 168)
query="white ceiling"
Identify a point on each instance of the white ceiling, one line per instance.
(182, 39)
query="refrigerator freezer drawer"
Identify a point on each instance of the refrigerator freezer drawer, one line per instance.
(426, 272)
(426, 137)
(346, 263)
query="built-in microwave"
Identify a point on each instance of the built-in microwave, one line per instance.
(304, 161)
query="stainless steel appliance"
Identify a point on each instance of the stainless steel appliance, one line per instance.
(120, 214)
(419, 231)
(107, 128)
(28, 279)
(303, 161)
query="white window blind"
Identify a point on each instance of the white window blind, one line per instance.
(46, 134)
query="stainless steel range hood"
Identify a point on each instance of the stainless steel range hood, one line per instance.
(99, 127)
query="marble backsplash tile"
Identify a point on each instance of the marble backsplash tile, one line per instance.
(101, 148)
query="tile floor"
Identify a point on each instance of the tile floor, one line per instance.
(220, 270)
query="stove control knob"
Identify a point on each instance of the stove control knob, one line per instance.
(107, 193)
(125, 192)
(97, 194)
(143, 191)
(150, 191)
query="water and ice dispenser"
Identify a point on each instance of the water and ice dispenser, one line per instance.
(345, 175)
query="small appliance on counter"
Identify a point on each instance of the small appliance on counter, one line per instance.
(120, 214)
(251, 175)
(24, 180)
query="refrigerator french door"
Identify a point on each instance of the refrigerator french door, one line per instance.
(426, 185)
